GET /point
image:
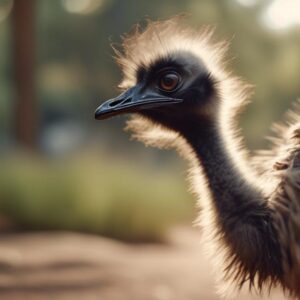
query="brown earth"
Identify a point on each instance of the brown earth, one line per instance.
(78, 266)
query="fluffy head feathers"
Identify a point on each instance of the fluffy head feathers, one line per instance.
(142, 48)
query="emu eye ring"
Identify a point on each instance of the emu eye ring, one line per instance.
(168, 82)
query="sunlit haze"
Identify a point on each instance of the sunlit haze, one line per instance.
(282, 14)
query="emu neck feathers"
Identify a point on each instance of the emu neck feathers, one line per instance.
(229, 187)
(243, 217)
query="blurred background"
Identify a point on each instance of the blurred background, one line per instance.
(62, 170)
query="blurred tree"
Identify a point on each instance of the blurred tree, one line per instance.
(23, 46)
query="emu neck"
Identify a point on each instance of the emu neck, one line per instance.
(243, 217)
(228, 186)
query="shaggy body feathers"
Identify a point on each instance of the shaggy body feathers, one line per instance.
(250, 221)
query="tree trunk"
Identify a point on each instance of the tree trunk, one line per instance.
(25, 114)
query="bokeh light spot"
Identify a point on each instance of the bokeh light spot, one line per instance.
(282, 14)
(247, 2)
(82, 6)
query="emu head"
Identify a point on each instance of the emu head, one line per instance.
(172, 73)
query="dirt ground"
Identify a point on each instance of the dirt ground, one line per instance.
(78, 266)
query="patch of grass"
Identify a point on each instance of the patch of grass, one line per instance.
(94, 195)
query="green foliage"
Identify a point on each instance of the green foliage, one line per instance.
(104, 197)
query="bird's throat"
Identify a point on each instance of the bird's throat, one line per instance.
(227, 183)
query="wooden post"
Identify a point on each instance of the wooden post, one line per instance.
(25, 113)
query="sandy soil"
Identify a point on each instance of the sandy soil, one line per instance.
(77, 266)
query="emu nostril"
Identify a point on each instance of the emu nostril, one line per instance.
(115, 103)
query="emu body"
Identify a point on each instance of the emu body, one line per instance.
(182, 97)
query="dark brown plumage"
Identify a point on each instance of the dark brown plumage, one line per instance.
(183, 98)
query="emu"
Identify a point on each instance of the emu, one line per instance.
(181, 96)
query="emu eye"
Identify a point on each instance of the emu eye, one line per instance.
(169, 81)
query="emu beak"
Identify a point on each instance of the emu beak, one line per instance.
(132, 100)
